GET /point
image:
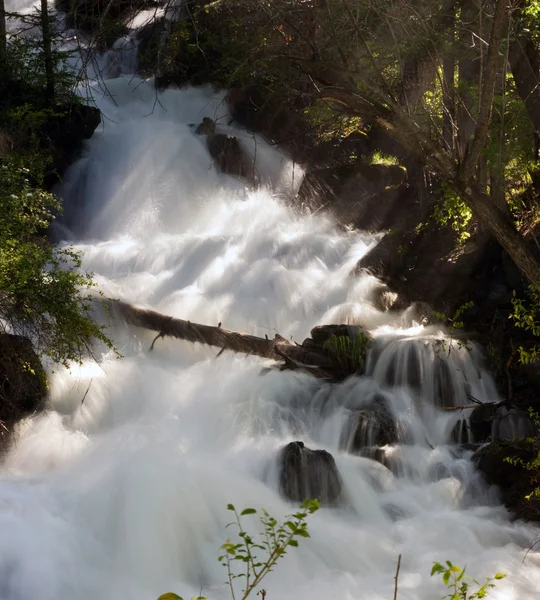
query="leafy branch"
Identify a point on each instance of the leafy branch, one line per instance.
(274, 541)
(459, 584)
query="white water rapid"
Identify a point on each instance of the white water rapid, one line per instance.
(119, 490)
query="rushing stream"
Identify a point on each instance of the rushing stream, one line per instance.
(120, 489)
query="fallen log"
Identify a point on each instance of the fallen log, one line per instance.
(312, 359)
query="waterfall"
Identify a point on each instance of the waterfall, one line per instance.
(120, 488)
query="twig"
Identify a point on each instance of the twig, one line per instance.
(397, 576)
(531, 549)
(86, 393)
(475, 400)
(160, 334)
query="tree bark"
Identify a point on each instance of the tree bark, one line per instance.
(277, 348)
(448, 100)
(489, 79)
(525, 65)
(501, 227)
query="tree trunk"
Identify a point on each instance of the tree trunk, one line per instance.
(468, 78)
(525, 65)
(449, 114)
(501, 227)
(47, 52)
(312, 359)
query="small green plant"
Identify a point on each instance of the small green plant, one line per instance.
(379, 158)
(525, 316)
(533, 465)
(348, 353)
(454, 323)
(244, 553)
(44, 293)
(461, 585)
(454, 212)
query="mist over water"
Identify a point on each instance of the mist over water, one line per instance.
(120, 488)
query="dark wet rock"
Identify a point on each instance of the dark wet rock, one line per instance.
(374, 197)
(369, 426)
(229, 156)
(65, 133)
(461, 433)
(403, 365)
(445, 392)
(504, 464)
(306, 473)
(252, 107)
(424, 261)
(495, 423)
(511, 423)
(206, 127)
(23, 383)
(383, 298)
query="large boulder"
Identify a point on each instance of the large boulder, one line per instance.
(306, 473)
(229, 156)
(252, 107)
(226, 151)
(346, 347)
(504, 464)
(372, 426)
(65, 132)
(23, 383)
(373, 197)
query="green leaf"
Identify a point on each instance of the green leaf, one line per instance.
(303, 533)
(230, 507)
(500, 576)
(248, 511)
(170, 596)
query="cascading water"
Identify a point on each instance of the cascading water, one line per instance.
(120, 488)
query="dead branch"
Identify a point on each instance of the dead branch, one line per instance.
(298, 357)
